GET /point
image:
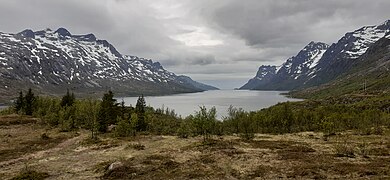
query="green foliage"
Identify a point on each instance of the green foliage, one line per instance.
(204, 122)
(140, 110)
(328, 116)
(19, 103)
(29, 100)
(68, 99)
(185, 129)
(89, 111)
(240, 122)
(25, 104)
(7, 111)
(108, 112)
(124, 128)
(67, 118)
(367, 115)
(246, 126)
(233, 119)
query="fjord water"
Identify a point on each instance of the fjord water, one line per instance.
(186, 104)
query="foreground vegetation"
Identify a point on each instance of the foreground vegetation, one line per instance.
(29, 149)
(345, 137)
(364, 114)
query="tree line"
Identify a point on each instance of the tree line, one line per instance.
(107, 115)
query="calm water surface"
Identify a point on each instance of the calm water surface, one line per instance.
(186, 104)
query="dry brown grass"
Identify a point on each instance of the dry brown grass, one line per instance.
(15, 119)
(66, 155)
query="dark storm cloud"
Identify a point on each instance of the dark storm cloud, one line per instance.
(220, 39)
(203, 60)
(270, 23)
(129, 25)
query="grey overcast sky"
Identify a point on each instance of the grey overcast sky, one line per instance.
(220, 42)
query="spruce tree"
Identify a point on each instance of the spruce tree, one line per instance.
(68, 99)
(140, 110)
(29, 100)
(123, 110)
(108, 111)
(19, 103)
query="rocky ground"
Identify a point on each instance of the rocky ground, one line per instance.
(30, 149)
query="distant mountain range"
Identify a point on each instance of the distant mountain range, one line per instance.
(318, 63)
(52, 61)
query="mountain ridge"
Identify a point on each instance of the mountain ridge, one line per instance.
(292, 72)
(337, 59)
(370, 74)
(50, 61)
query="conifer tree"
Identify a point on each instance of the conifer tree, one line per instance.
(19, 103)
(108, 111)
(140, 110)
(68, 99)
(123, 110)
(29, 100)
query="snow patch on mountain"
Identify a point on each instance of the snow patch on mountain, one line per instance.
(319, 63)
(365, 37)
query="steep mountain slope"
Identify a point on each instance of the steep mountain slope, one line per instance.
(292, 73)
(341, 55)
(329, 62)
(368, 74)
(264, 76)
(52, 61)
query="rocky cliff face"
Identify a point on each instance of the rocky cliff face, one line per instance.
(263, 77)
(52, 61)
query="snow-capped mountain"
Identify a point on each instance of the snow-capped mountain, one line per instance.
(370, 73)
(341, 55)
(319, 63)
(290, 73)
(53, 60)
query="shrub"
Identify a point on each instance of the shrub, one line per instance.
(124, 128)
